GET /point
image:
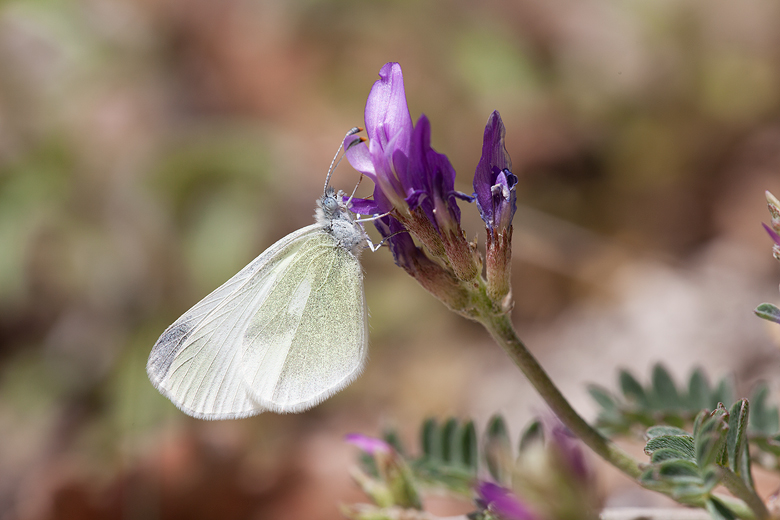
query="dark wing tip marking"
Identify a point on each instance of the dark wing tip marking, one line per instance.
(165, 350)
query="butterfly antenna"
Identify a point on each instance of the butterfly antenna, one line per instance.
(334, 163)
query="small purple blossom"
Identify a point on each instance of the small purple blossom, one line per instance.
(494, 182)
(405, 253)
(389, 129)
(503, 502)
(772, 233)
(370, 445)
(569, 448)
(432, 178)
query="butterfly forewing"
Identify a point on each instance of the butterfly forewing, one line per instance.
(309, 339)
(196, 363)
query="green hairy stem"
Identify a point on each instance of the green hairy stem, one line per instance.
(747, 505)
(500, 327)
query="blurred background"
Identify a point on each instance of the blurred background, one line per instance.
(150, 149)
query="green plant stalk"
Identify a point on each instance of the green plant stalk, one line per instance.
(739, 489)
(500, 327)
(747, 505)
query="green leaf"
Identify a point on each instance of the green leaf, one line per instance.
(430, 439)
(711, 477)
(718, 510)
(391, 437)
(768, 312)
(736, 441)
(602, 397)
(497, 432)
(769, 445)
(665, 395)
(468, 446)
(647, 478)
(699, 420)
(631, 389)
(683, 446)
(533, 434)
(699, 390)
(663, 454)
(710, 439)
(498, 449)
(724, 393)
(449, 440)
(368, 464)
(680, 471)
(657, 431)
(764, 419)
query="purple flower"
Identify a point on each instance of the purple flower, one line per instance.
(494, 183)
(407, 173)
(432, 178)
(568, 447)
(389, 129)
(370, 445)
(772, 233)
(503, 502)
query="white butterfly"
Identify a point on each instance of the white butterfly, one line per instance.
(285, 333)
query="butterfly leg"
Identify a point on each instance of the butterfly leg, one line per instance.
(375, 247)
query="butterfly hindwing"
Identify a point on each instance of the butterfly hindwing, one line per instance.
(311, 341)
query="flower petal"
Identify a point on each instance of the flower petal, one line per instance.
(387, 114)
(368, 444)
(502, 502)
(400, 242)
(363, 206)
(359, 157)
(772, 233)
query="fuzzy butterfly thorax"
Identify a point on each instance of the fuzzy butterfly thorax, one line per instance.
(336, 219)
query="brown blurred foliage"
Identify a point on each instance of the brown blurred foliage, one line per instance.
(149, 149)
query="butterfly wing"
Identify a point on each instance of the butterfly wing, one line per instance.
(196, 362)
(310, 342)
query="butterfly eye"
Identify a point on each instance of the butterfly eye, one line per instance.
(330, 205)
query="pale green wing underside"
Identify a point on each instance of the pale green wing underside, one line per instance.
(230, 356)
(310, 342)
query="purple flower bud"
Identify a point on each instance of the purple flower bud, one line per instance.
(395, 484)
(494, 183)
(503, 502)
(370, 445)
(568, 448)
(772, 233)
(774, 209)
(496, 196)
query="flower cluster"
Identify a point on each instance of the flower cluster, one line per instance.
(415, 187)
(391, 484)
(549, 480)
(774, 231)
(769, 311)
